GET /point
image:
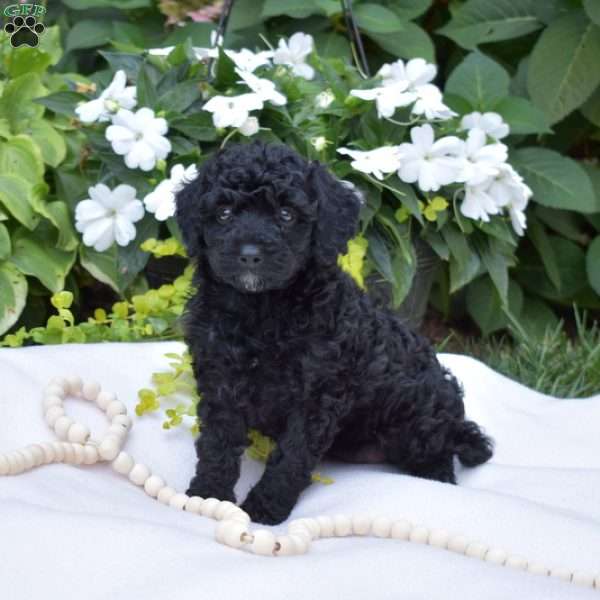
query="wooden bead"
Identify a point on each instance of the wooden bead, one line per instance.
(583, 579)
(224, 507)
(61, 382)
(419, 534)
(342, 525)
(209, 506)
(326, 526)
(55, 390)
(476, 550)
(61, 426)
(496, 556)
(109, 447)
(3, 465)
(400, 529)
(91, 454)
(39, 457)
(313, 527)
(116, 407)
(537, 569)
(69, 453)
(231, 532)
(53, 413)
(50, 401)
(78, 452)
(90, 390)
(123, 420)
(49, 452)
(78, 433)
(438, 538)
(301, 543)
(59, 451)
(458, 544)
(153, 485)
(75, 385)
(361, 524)
(17, 462)
(165, 495)
(123, 463)
(263, 543)
(561, 573)
(139, 473)
(28, 459)
(178, 501)
(238, 515)
(193, 504)
(597, 581)
(285, 545)
(104, 399)
(381, 527)
(118, 431)
(516, 562)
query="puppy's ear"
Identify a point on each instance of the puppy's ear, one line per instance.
(188, 214)
(338, 208)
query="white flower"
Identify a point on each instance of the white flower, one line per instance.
(249, 127)
(249, 61)
(232, 111)
(264, 88)
(108, 215)
(324, 99)
(387, 98)
(416, 72)
(117, 95)
(319, 143)
(478, 204)
(199, 53)
(481, 161)
(430, 163)
(161, 201)
(429, 103)
(491, 123)
(139, 137)
(376, 162)
(294, 53)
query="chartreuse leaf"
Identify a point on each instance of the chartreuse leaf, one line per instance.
(21, 155)
(13, 294)
(49, 265)
(51, 143)
(15, 105)
(479, 80)
(16, 196)
(556, 180)
(5, 246)
(592, 264)
(563, 70)
(483, 21)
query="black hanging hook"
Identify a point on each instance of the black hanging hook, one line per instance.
(355, 38)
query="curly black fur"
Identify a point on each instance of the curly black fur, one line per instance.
(290, 346)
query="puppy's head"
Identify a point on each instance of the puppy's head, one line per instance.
(258, 213)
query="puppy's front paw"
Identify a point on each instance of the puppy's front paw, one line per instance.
(199, 487)
(263, 512)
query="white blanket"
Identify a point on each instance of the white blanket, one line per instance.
(85, 532)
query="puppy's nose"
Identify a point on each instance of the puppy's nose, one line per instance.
(250, 255)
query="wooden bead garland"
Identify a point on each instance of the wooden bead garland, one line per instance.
(76, 447)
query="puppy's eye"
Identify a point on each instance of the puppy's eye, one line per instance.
(224, 214)
(287, 214)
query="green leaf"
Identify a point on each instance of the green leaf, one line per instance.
(543, 245)
(21, 155)
(377, 19)
(121, 4)
(536, 318)
(464, 261)
(592, 8)
(522, 116)
(63, 103)
(225, 72)
(379, 254)
(413, 42)
(27, 60)
(563, 70)
(5, 246)
(483, 21)
(13, 295)
(297, 9)
(89, 33)
(16, 105)
(592, 264)
(58, 214)
(409, 9)
(50, 44)
(486, 307)
(198, 126)
(404, 273)
(130, 63)
(15, 197)
(180, 97)
(556, 181)
(101, 265)
(480, 80)
(146, 90)
(51, 143)
(591, 108)
(34, 258)
(496, 264)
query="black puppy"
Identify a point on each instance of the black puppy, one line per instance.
(284, 342)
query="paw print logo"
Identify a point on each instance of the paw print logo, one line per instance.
(24, 32)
